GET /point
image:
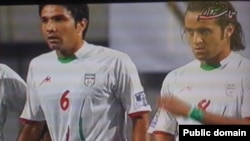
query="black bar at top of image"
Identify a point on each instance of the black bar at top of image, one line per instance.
(34, 2)
(216, 132)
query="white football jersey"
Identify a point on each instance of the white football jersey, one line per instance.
(12, 94)
(85, 99)
(223, 91)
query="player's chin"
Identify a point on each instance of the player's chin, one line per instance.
(53, 46)
(201, 56)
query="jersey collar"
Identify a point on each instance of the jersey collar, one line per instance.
(85, 49)
(222, 64)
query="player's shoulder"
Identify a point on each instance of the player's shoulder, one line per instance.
(109, 52)
(238, 61)
(7, 72)
(179, 71)
(190, 65)
(4, 70)
(4, 67)
(43, 58)
(242, 59)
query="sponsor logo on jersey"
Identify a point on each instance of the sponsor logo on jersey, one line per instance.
(229, 89)
(89, 79)
(187, 88)
(140, 99)
(46, 80)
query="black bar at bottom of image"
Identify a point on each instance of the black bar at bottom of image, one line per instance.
(198, 132)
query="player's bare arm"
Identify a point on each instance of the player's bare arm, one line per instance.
(32, 131)
(46, 135)
(140, 125)
(181, 108)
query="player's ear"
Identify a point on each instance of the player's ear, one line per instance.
(82, 25)
(229, 30)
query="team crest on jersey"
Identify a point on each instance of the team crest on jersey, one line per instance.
(230, 88)
(140, 99)
(89, 79)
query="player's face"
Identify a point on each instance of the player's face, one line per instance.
(207, 41)
(59, 28)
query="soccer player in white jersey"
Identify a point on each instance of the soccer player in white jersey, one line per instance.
(81, 90)
(215, 87)
(12, 95)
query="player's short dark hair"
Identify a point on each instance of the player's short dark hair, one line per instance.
(237, 37)
(78, 11)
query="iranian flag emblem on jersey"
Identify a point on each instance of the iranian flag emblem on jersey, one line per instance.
(89, 79)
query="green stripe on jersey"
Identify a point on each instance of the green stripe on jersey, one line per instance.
(67, 59)
(81, 130)
(209, 67)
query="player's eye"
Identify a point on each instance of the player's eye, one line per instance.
(189, 32)
(204, 32)
(44, 20)
(58, 19)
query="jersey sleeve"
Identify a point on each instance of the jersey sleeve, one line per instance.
(163, 121)
(32, 110)
(15, 93)
(3, 112)
(245, 110)
(129, 88)
(12, 94)
(13, 89)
